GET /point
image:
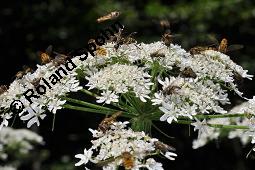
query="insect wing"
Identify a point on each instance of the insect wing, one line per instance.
(107, 161)
(235, 47)
(49, 50)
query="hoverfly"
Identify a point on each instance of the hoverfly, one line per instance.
(163, 147)
(223, 46)
(126, 157)
(168, 37)
(120, 40)
(111, 16)
(171, 89)
(59, 59)
(165, 25)
(188, 72)
(46, 56)
(100, 51)
(36, 82)
(157, 54)
(106, 123)
(3, 88)
(24, 71)
(27, 69)
(128, 160)
(19, 74)
(200, 49)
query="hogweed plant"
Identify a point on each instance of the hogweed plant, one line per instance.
(159, 81)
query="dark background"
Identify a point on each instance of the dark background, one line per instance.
(29, 26)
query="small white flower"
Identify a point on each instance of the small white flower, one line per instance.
(151, 164)
(33, 116)
(84, 158)
(107, 97)
(5, 122)
(54, 105)
(170, 155)
(200, 126)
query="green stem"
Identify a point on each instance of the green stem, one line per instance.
(188, 122)
(95, 95)
(158, 129)
(131, 101)
(88, 104)
(153, 88)
(89, 93)
(219, 116)
(105, 112)
(158, 114)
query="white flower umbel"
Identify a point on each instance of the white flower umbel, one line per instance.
(188, 97)
(108, 148)
(120, 78)
(51, 100)
(206, 133)
(246, 135)
(248, 109)
(134, 69)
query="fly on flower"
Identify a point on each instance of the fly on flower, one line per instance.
(59, 59)
(188, 72)
(36, 82)
(157, 54)
(24, 71)
(111, 16)
(119, 39)
(3, 88)
(126, 157)
(106, 123)
(200, 49)
(100, 51)
(171, 89)
(223, 46)
(45, 56)
(163, 147)
(168, 37)
(128, 160)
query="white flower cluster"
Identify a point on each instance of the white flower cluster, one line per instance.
(179, 83)
(120, 78)
(212, 74)
(20, 141)
(7, 168)
(206, 133)
(191, 97)
(248, 109)
(51, 101)
(121, 146)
